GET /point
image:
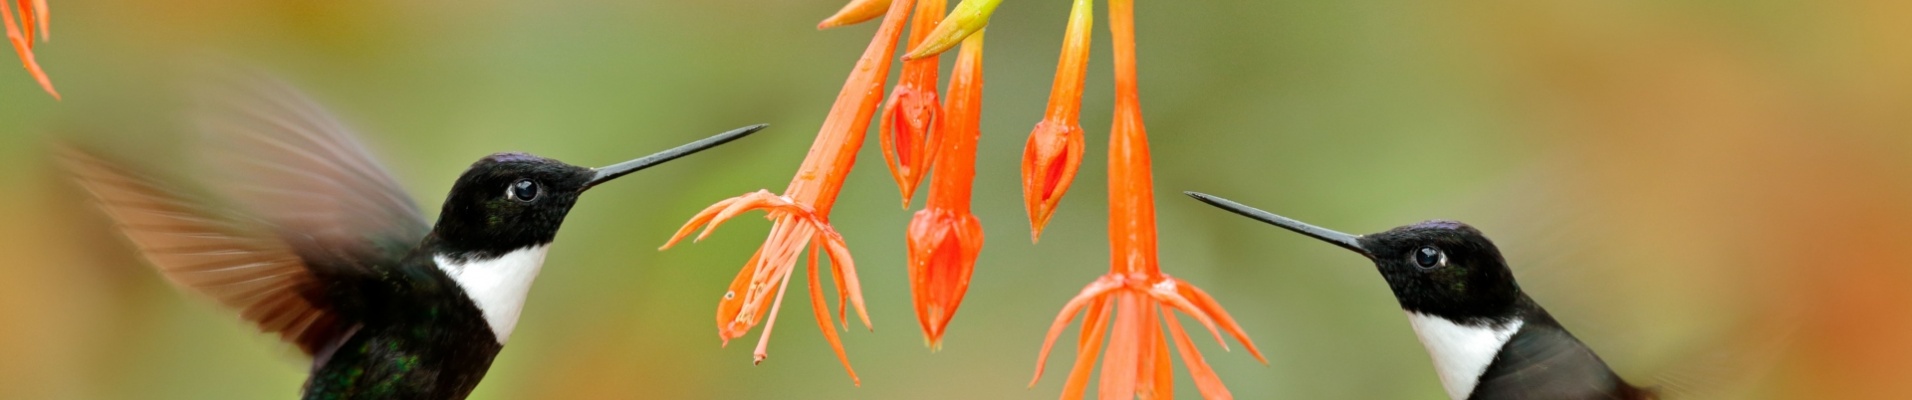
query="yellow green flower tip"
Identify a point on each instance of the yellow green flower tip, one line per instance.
(854, 13)
(969, 17)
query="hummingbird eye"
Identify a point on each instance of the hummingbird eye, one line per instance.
(1429, 257)
(523, 190)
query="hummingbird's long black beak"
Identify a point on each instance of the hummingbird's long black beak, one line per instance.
(1346, 241)
(626, 168)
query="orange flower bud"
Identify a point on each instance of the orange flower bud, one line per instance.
(1054, 151)
(909, 129)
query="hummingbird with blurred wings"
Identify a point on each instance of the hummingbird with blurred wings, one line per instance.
(1487, 338)
(330, 254)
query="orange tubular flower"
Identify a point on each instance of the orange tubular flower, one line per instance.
(801, 215)
(908, 131)
(21, 35)
(1054, 152)
(944, 238)
(1135, 292)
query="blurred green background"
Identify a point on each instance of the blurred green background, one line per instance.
(1705, 191)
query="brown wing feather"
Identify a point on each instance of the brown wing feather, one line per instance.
(288, 161)
(246, 269)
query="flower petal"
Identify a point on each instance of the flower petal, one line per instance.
(1094, 291)
(1207, 305)
(1167, 291)
(1094, 325)
(715, 215)
(1205, 379)
(854, 13)
(840, 257)
(1125, 348)
(1155, 365)
(822, 309)
(23, 44)
(735, 316)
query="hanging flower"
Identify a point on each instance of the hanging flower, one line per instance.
(908, 131)
(1135, 293)
(1054, 151)
(944, 239)
(801, 214)
(21, 34)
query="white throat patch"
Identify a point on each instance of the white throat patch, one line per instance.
(1460, 352)
(498, 285)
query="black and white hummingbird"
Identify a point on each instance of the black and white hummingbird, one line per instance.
(1487, 338)
(330, 254)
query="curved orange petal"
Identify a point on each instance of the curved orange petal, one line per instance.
(1168, 291)
(1088, 348)
(839, 253)
(1205, 379)
(41, 12)
(23, 44)
(854, 13)
(27, 17)
(822, 310)
(1206, 304)
(1090, 293)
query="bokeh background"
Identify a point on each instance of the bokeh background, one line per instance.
(1716, 195)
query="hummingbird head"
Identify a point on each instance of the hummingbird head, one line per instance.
(511, 201)
(1444, 268)
(1439, 267)
(508, 201)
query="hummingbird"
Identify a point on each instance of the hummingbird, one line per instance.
(1487, 338)
(330, 254)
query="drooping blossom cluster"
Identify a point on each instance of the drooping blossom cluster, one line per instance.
(1130, 314)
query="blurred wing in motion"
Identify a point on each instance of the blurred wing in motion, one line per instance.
(289, 162)
(1734, 362)
(250, 270)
